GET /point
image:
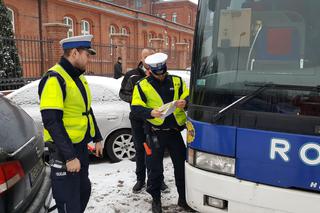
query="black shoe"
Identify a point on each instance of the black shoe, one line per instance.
(163, 186)
(138, 186)
(183, 204)
(156, 206)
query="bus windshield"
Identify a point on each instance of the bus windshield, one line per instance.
(241, 45)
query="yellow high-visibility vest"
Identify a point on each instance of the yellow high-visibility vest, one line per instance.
(75, 115)
(154, 101)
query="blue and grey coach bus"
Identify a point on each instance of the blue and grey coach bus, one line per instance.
(254, 111)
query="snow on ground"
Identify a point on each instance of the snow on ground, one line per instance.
(112, 189)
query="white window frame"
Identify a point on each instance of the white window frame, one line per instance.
(150, 36)
(189, 18)
(166, 40)
(174, 17)
(69, 21)
(12, 18)
(173, 43)
(85, 27)
(163, 15)
(124, 31)
(112, 30)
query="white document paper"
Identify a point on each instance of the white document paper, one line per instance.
(167, 109)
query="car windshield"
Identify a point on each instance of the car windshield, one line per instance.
(244, 44)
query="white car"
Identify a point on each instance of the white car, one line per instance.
(111, 113)
(184, 74)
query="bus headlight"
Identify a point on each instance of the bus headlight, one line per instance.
(211, 162)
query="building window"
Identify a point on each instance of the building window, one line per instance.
(85, 27)
(189, 18)
(150, 36)
(166, 40)
(138, 4)
(68, 21)
(174, 17)
(173, 43)
(164, 16)
(124, 31)
(112, 30)
(11, 17)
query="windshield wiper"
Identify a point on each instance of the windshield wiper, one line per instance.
(262, 87)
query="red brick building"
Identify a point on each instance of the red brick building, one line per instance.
(107, 21)
(141, 5)
(178, 11)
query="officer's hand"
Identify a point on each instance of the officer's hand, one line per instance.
(181, 104)
(73, 165)
(99, 149)
(156, 113)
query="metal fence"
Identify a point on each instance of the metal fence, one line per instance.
(36, 57)
(102, 63)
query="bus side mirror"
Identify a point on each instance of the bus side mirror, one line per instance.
(212, 5)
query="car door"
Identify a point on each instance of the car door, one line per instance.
(108, 108)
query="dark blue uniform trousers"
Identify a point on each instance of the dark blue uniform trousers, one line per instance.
(173, 141)
(139, 138)
(71, 191)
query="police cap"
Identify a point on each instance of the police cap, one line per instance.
(83, 42)
(157, 63)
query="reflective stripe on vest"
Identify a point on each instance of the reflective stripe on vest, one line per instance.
(154, 100)
(75, 115)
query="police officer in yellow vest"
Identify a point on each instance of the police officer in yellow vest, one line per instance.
(69, 124)
(162, 132)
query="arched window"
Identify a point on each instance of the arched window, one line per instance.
(11, 17)
(150, 36)
(69, 21)
(85, 27)
(163, 15)
(169, 42)
(166, 40)
(173, 43)
(145, 39)
(174, 17)
(124, 31)
(112, 29)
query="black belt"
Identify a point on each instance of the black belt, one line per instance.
(163, 129)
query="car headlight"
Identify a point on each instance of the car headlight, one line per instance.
(211, 162)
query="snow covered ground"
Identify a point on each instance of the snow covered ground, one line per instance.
(112, 189)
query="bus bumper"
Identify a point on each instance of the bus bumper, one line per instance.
(243, 196)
